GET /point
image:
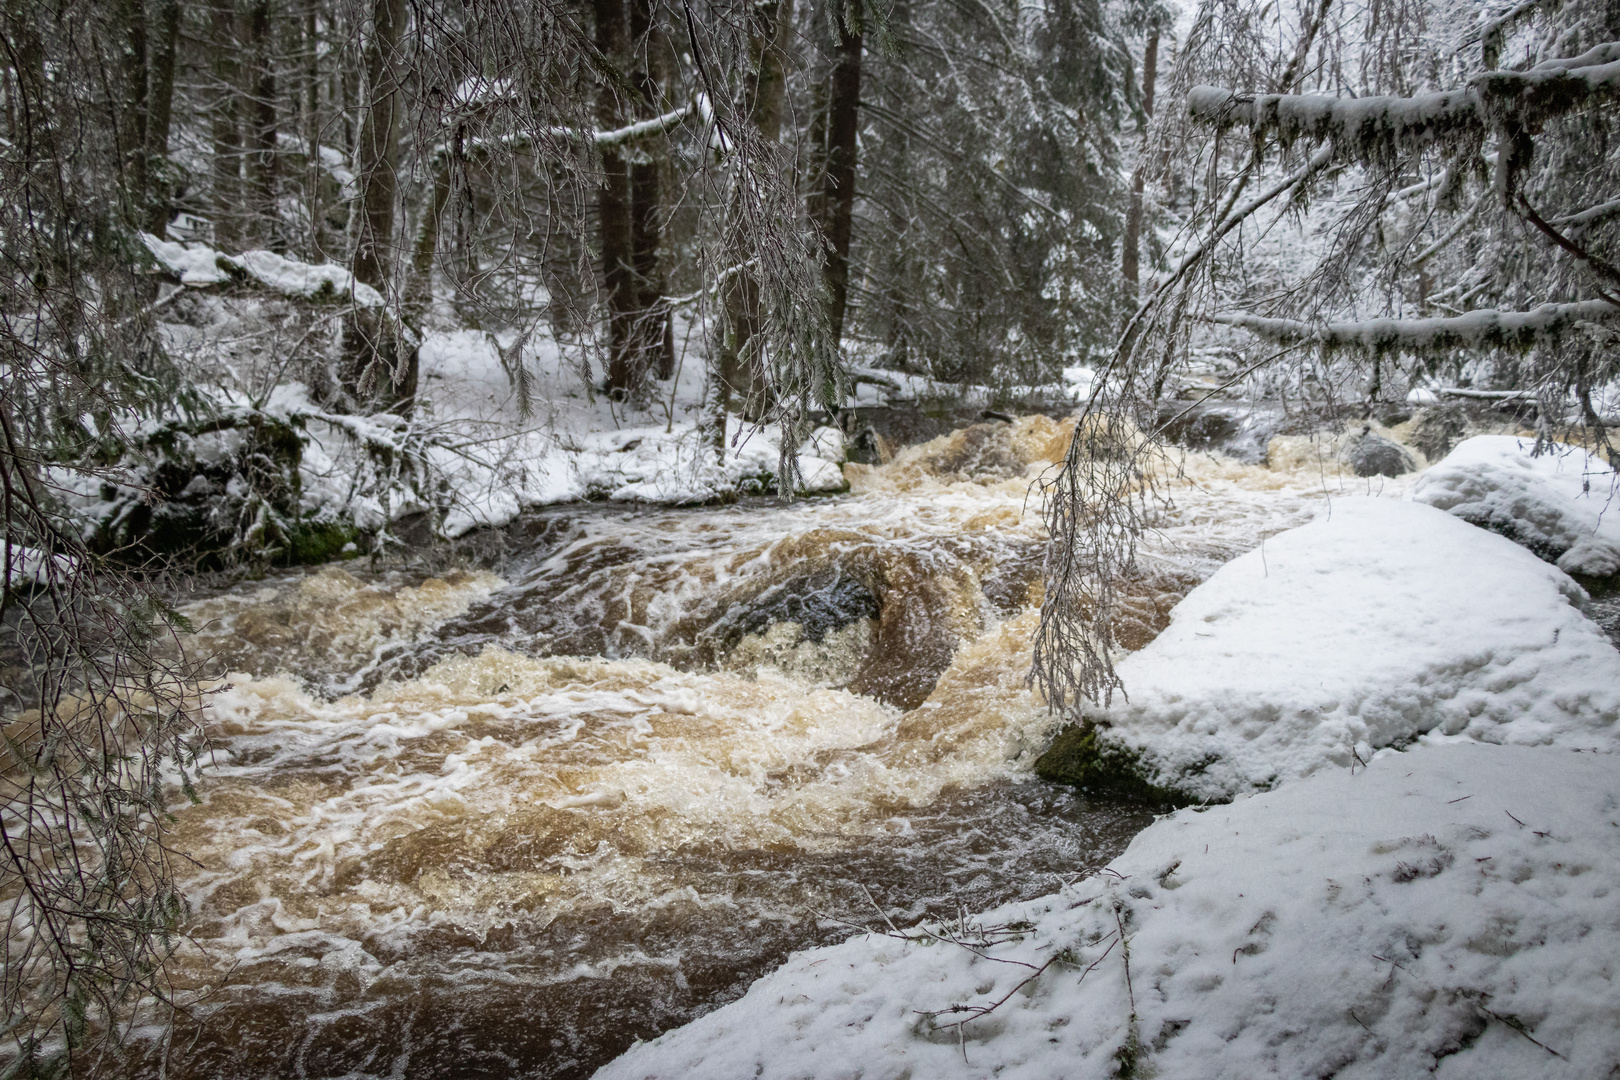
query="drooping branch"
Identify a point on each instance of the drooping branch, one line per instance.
(1482, 329)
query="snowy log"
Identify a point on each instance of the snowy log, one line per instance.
(1486, 328)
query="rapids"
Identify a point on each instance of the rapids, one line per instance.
(505, 820)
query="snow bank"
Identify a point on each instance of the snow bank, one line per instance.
(1564, 505)
(1449, 910)
(1378, 622)
(30, 566)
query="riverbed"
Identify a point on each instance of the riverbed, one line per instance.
(505, 817)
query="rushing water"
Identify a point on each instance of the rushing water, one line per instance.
(504, 821)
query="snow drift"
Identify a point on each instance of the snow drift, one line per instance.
(1563, 505)
(1379, 622)
(1447, 911)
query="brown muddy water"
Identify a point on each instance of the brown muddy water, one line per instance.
(502, 822)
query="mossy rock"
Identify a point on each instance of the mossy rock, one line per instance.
(1079, 757)
(312, 542)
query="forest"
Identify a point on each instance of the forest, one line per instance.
(524, 517)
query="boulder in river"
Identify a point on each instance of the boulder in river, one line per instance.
(1374, 455)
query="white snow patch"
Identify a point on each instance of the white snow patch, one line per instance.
(1563, 504)
(1378, 622)
(198, 264)
(293, 278)
(1450, 909)
(30, 566)
(195, 264)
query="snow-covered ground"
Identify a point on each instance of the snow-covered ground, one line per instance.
(1564, 504)
(1379, 622)
(488, 456)
(1448, 911)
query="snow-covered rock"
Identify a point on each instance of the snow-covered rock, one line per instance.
(1564, 504)
(1448, 912)
(1377, 623)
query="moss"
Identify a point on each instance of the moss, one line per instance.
(1079, 757)
(313, 542)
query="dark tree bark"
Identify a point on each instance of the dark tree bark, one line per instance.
(653, 338)
(1130, 254)
(311, 104)
(262, 126)
(741, 373)
(380, 367)
(379, 147)
(160, 103)
(130, 25)
(843, 123)
(227, 162)
(613, 210)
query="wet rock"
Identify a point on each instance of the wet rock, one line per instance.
(1439, 428)
(823, 602)
(1077, 757)
(1374, 455)
(1238, 430)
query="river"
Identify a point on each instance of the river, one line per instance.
(503, 819)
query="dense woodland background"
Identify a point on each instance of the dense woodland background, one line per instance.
(1240, 199)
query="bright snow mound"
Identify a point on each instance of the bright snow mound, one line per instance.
(1563, 504)
(1379, 622)
(1448, 912)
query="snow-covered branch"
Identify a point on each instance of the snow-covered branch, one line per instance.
(641, 129)
(1482, 329)
(1378, 127)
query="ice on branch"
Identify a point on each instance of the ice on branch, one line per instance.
(1483, 329)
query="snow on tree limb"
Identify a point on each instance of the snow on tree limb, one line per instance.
(1369, 126)
(1373, 128)
(1482, 329)
(643, 129)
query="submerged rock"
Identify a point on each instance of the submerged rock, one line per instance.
(1374, 455)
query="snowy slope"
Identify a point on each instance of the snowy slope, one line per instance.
(1449, 912)
(1376, 623)
(1564, 505)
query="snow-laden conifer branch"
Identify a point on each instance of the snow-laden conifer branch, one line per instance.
(1379, 127)
(1482, 329)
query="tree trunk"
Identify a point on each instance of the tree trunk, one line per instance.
(130, 24)
(376, 357)
(741, 373)
(843, 123)
(226, 157)
(1130, 253)
(653, 339)
(262, 126)
(312, 130)
(613, 210)
(160, 103)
